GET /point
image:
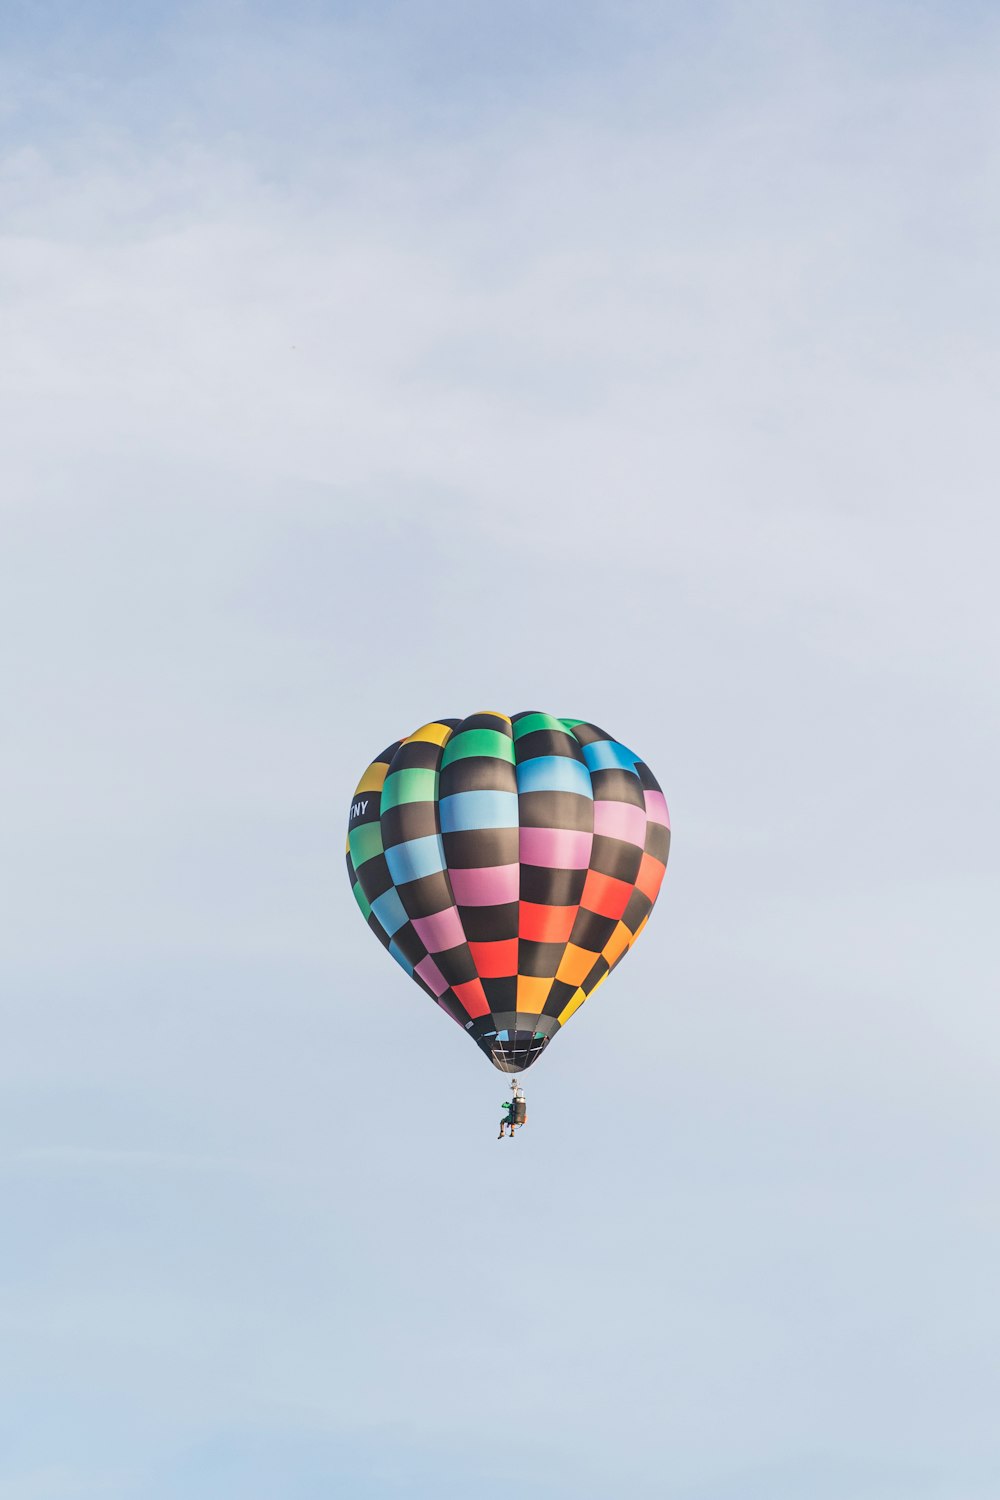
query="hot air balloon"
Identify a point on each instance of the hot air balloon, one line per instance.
(508, 864)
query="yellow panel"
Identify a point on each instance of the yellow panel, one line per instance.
(347, 846)
(617, 943)
(495, 713)
(373, 778)
(571, 1007)
(430, 734)
(641, 926)
(575, 964)
(532, 993)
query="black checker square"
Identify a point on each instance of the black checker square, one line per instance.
(615, 857)
(589, 734)
(539, 960)
(424, 897)
(374, 877)
(637, 910)
(646, 777)
(617, 785)
(453, 1006)
(481, 847)
(555, 810)
(545, 887)
(409, 820)
(478, 773)
(501, 994)
(597, 973)
(548, 742)
(591, 931)
(496, 722)
(409, 944)
(559, 997)
(489, 924)
(456, 964)
(658, 841)
(416, 755)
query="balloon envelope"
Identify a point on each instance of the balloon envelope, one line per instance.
(508, 864)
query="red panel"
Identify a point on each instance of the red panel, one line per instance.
(473, 998)
(546, 924)
(605, 895)
(650, 876)
(495, 960)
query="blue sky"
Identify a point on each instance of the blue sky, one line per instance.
(366, 364)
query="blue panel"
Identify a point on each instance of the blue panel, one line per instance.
(608, 755)
(470, 810)
(401, 958)
(418, 857)
(389, 910)
(554, 773)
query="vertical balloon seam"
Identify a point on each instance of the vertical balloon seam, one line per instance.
(520, 879)
(509, 1061)
(557, 1026)
(645, 844)
(449, 993)
(356, 873)
(520, 885)
(393, 945)
(590, 863)
(460, 727)
(509, 1058)
(458, 730)
(651, 828)
(600, 958)
(371, 917)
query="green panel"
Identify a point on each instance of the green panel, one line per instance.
(532, 722)
(366, 842)
(362, 900)
(414, 785)
(479, 742)
(572, 723)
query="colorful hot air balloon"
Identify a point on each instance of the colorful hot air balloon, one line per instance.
(508, 864)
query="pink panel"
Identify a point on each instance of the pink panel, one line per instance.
(431, 975)
(441, 931)
(620, 820)
(656, 808)
(495, 885)
(555, 848)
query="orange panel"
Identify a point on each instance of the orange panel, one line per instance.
(605, 895)
(650, 876)
(532, 993)
(495, 960)
(617, 943)
(473, 998)
(546, 924)
(575, 964)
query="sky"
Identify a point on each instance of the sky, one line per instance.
(364, 364)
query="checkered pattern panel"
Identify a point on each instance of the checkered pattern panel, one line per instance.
(508, 864)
